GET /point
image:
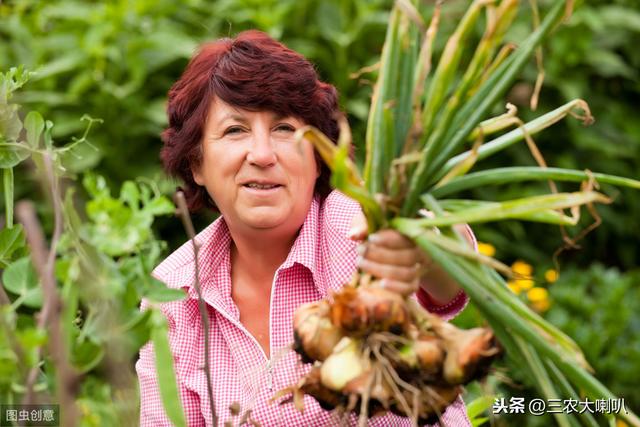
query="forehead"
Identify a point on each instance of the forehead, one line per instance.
(218, 108)
(220, 111)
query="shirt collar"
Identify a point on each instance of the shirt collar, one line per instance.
(177, 270)
(306, 249)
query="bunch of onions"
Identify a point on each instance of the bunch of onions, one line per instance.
(374, 351)
(427, 128)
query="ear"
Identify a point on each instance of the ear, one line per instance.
(196, 172)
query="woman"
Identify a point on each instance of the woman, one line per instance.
(283, 238)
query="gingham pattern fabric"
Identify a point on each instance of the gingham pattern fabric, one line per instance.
(322, 258)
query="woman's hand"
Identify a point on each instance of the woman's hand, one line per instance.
(400, 265)
(394, 259)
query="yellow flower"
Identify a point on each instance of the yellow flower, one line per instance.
(541, 306)
(524, 284)
(537, 294)
(486, 249)
(539, 299)
(620, 423)
(521, 268)
(514, 287)
(551, 275)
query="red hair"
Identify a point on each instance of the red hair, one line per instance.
(253, 72)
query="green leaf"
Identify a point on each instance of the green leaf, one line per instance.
(610, 64)
(542, 379)
(548, 216)
(130, 194)
(71, 60)
(392, 100)
(138, 328)
(11, 239)
(10, 124)
(617, 16)
(516, 209)
(530, 128)
(32, 338)
(330, 21)
(479, 405)
(95, 185)
(475, 422)
(490, 282)
(86, 355)
(472, 112)
(12, 154)
(165, 371)
(34, 124)
(475, 281)
(158, 292)
(20, 278)
(160, 206)
(11, 81)
(48, 141)
(510, 175)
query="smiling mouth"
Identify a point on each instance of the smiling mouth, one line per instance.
(262, 186)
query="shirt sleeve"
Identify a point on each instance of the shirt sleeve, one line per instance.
(449, 310)
(152, 411)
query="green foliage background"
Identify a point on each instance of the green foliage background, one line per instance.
(116, 61)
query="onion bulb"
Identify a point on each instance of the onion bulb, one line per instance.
(314, 334)
(343, 365)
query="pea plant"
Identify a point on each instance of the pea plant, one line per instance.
(73, 271)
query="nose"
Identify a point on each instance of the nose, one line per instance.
(261, 152)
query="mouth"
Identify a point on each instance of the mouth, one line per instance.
(261, 185)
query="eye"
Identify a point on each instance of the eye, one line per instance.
(231, 130)
(285, 127)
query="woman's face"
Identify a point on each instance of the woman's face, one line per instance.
(259, 177)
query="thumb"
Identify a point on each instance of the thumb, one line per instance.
(359, 227)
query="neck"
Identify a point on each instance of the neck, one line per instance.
(258, 257)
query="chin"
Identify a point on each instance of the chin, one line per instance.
(265, 220)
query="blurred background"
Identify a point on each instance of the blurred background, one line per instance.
(116, 61)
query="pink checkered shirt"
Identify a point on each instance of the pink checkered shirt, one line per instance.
(322, 259)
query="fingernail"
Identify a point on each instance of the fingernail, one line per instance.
(361, 249)
(359, 260)
(383, 283)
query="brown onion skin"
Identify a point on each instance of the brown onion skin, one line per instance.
(471, 356)
(314, 334)
(363, 310)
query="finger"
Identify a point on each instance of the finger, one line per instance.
(425, 261)
(359, 228)
(402, 288)
(382, 255)
(391, 272)
(391, 239)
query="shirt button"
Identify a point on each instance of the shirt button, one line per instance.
(270, 381)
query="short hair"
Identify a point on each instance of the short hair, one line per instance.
(251, 71)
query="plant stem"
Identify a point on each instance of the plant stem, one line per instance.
(183, 211)
(43, 261)
(7, 181)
